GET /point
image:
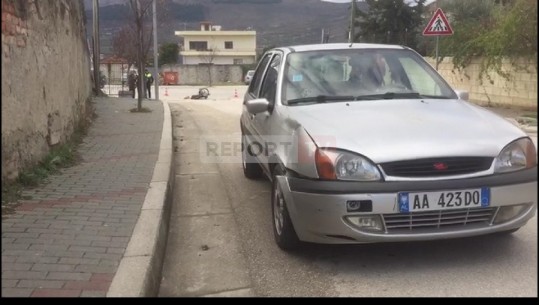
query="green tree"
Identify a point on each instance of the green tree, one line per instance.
(168, 53)
(493, 31)
(390, 21)
(467, 19)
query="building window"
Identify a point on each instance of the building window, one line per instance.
(229, 45)
(238, 61)
(198, 45)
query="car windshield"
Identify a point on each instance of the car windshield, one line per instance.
(360, 74)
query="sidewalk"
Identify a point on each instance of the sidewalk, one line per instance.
(71, 236)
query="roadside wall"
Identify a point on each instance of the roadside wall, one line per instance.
(46, 81)
(519, 91)
(199, 75)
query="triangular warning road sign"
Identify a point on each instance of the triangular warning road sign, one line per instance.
(438, 25)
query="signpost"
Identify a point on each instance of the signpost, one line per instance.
(438, 26)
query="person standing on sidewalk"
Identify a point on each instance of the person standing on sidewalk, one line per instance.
(149, 81)
(132, 82)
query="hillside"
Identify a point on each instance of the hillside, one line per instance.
(287, 22)
(277, 22)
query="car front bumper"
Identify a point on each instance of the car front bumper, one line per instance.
(318, 209)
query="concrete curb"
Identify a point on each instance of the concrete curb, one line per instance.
(139, 272)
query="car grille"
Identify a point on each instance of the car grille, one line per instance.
(438, 219)
(437, 167)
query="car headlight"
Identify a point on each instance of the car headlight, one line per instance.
(518, 155)
(333, 164)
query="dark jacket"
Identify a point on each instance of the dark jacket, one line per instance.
(132, 81)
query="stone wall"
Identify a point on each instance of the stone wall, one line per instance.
(199, 75)
(519, 91)
(46, 82)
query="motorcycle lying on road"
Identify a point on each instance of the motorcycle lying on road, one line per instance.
(203, 93)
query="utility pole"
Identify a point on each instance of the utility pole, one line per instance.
(96, 49)
(155, 53)
(353, 8)
(140, 58)
(352, 19)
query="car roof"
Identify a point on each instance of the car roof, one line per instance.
(338, 46)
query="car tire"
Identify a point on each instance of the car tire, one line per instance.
(283, 229)
(251, 168)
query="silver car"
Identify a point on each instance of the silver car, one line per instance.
(367, 143)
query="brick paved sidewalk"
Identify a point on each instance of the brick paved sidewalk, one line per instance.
(69, 238)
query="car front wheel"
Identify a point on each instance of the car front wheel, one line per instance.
(283, 230)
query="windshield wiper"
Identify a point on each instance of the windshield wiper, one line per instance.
(319, 99)
(389, 96)
(442, 97)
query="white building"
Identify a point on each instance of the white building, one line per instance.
(211, 45)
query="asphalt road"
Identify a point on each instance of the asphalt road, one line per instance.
(221, 241)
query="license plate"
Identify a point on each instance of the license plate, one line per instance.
(444, 200)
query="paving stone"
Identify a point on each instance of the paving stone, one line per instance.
(56, 293)
(9, 283)
(16, 292)
(40, 284)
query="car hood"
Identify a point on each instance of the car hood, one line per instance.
(391, 130)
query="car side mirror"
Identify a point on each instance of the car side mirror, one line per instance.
(463, 95)
(257, 105)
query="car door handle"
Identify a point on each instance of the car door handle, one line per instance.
(251, 116)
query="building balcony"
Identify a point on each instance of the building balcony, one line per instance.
(218, 53)
(214, 33)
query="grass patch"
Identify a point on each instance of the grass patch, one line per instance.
(11, 192)
(527, 121)
(143, 109)
(59, 157)
(530, 115)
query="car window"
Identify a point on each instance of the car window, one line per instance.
(258, 75)
(360, 73)
(269, 85)
(420, 79)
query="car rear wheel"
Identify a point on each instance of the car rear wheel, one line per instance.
(251, 168)
(283, 230)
